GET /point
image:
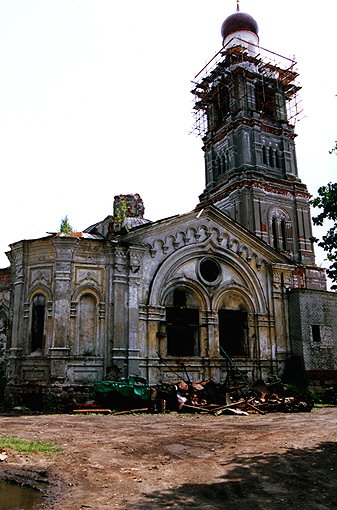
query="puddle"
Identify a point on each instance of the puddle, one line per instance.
(14, 497)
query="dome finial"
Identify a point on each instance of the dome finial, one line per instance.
(237, 5)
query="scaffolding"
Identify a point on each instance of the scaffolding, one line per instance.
(273, 76)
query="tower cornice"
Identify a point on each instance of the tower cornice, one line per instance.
(275, 186)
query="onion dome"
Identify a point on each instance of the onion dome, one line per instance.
(237, 22)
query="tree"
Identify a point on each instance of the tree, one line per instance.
(327, 201)
(65, 226)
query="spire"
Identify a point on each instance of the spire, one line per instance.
(237, 5)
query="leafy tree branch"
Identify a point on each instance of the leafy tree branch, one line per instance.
(326, 201)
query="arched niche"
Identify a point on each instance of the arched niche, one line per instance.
(87, 324)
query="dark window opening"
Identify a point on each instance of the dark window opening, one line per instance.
(271, 157)
(233, 326)
(264, 156)
(316, 333)
(179, 298)
(209, 270)
(274, 233)
(277, 159)
(182, 327)
(265, 100)
(38, 314)
(283, 233)
(223, 101)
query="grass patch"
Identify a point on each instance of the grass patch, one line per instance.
(27, 446)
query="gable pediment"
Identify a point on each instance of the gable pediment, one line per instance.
(209, 227)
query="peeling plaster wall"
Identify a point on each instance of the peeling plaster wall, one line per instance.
(105, 305)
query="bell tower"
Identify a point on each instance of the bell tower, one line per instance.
(246, 104)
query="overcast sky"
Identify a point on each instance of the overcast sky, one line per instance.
(95, 101)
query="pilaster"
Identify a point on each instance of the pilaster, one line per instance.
(135, 255)
(282, 277)
(64, 253)
(18, 271)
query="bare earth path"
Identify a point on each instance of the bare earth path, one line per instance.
(178, 461)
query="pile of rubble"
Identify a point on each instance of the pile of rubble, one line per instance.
(211, 398)
(230, 397)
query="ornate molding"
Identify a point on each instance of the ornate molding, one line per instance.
(41, 275)
(121, 258)
(89, 275)
(200, 234)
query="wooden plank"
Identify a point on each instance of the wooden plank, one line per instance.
(92, 411)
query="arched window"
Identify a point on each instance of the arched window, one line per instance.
(182, 324)
(38, 320)
(87, 325)
(274, 233)
(271, 157)
(280, 229)
(264, 155)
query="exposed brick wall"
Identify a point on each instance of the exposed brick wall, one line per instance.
(308, 308)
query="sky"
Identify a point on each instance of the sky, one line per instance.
(95, 101)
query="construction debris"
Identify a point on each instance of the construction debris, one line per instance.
(209, 397)
(205, 397)
(92, 410)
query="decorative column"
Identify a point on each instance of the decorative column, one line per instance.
(18, 278)
(152, 336)
(209, 341)
(281, 282)
(64, 253)
(135, 275)
(121, 309)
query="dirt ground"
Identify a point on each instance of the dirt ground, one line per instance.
(178, 461)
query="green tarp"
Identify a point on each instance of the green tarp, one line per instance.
(135, 387)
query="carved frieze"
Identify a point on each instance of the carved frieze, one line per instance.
(200, 234)
(88, 275)
(282, 278)
(40, 275)
(129, 260)
(120, 260)
(135, 260)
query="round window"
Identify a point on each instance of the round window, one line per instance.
(209, 270)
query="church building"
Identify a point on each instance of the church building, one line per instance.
(234, 278)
